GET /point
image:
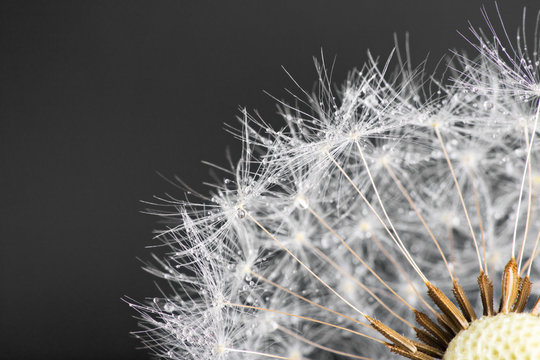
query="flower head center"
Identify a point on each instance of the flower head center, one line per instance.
(505, 336)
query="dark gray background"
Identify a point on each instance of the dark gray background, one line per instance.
(96, 96)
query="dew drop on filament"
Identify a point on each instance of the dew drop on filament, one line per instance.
(240, 213)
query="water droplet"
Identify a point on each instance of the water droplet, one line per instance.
(241, 213)
(301, 201)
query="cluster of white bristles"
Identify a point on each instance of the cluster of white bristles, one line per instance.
(365, 193)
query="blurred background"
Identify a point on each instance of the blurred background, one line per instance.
(98, 97)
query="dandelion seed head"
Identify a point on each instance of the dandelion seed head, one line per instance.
(395, 210)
